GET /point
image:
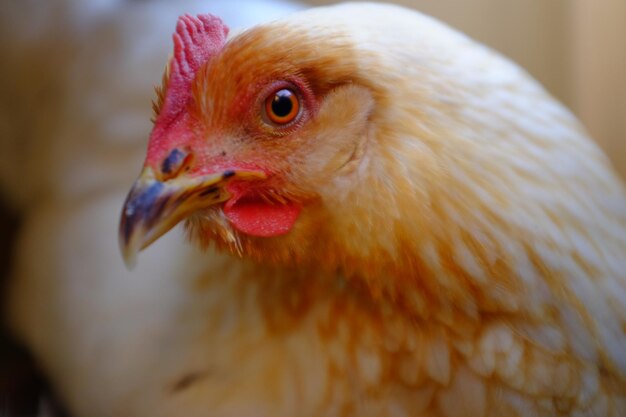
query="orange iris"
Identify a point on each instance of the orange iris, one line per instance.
(282, 107)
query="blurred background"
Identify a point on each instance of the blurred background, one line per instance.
(75, 87)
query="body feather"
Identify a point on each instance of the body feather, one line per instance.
(479, 236)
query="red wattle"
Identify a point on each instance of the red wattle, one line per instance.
(256, 217)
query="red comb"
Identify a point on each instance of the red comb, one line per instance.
(196, 40)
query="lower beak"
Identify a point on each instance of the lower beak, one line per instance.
(153, 207)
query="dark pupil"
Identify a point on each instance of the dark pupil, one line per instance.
(282, 105)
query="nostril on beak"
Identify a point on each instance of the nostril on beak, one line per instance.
(174, 163)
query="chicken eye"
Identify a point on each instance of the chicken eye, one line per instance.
(282, 107)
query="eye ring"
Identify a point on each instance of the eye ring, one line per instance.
(282, 106)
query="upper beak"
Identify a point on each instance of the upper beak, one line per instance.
(153, 207)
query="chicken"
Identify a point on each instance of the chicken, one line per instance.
(398, 222)
(422, 230)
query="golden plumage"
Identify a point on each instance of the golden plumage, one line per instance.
(462, 247)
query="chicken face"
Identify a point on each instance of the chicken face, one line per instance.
(251, 140)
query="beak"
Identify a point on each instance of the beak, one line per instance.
(153, 207)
